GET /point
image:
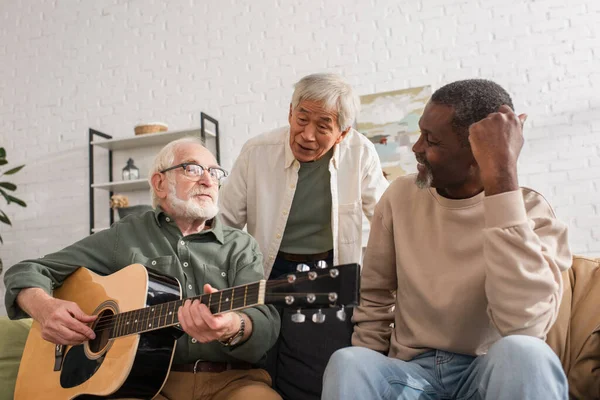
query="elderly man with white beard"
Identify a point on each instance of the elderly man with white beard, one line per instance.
(183, 238)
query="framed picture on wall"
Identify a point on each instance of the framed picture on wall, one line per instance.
(391, 121)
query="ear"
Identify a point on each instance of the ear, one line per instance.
(290, 115)
(343, 135)
(160, 185)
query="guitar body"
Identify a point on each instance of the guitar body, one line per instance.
(136, 329)
(135, 365)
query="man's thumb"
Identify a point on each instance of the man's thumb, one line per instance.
(523, 118)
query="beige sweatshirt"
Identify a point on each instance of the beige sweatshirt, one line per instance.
(464, 272)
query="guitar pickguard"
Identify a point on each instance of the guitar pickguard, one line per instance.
(77, 368)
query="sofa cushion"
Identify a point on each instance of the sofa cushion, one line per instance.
(13, 335)
(575, 336)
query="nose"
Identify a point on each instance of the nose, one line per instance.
(418, 146)
(206, 179)
(309, 133)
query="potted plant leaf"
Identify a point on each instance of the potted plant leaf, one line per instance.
(5, 189)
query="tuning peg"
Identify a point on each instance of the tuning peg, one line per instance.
(321, 264)
(298, 317)
(341, 314)
(302, 268)
(318, 317)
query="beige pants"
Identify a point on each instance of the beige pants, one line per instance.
(227, 385)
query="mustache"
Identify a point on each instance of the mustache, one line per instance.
(421, 160)
(198, 191)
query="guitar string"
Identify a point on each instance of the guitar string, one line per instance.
(155, 318)
(112, 322)
(110, 319)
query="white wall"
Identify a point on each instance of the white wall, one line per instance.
(69, 65)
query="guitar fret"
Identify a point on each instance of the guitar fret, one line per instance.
(136, 321)
(144, 319)
(245, 294)
(163, 310)
(131, 320)
(111, 324)
(220, 298)
(232, 298)
(171, 314)
(152, 319)
(119, 324)
(124, 324)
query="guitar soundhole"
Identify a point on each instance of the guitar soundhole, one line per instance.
(102, 329)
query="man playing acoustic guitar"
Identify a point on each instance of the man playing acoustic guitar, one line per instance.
(182, 238)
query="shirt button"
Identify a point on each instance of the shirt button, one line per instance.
(182, 243)
(194, 340)
(272, 257)
(185, 264)
(168, 219)
(223, 274)
(153, 262)
(278, 236)
(190, 287)
(284, 212)
(292, 186)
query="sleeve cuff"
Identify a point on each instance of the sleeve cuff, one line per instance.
(253, 349)
(504, 210)
(23, 282)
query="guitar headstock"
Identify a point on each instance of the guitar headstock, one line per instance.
(337, 286)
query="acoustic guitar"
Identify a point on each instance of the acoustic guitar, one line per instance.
(137, 328)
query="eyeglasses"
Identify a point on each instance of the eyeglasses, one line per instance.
(195, 171)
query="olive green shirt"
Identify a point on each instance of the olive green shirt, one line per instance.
(308, 227)
(220, 256)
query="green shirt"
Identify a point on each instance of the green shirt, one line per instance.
(221, 256)
(308, 227)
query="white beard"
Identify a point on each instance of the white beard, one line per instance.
(191, 209)
(424, 182)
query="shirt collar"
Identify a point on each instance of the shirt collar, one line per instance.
(216, 225)
(289, 156)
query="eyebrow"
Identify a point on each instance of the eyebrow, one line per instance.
(193, 161)
(324, 119)
(428, 132)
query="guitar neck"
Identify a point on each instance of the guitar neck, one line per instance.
(165, 314)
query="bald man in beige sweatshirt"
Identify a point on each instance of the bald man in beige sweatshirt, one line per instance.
(462, 275)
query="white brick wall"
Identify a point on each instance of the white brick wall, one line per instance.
(70, 65)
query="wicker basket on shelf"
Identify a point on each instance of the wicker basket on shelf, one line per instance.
(151, 127)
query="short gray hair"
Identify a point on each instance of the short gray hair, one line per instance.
(333, 92)
(165, 158)
(472, 100)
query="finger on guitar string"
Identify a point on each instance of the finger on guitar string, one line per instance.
(79, 321)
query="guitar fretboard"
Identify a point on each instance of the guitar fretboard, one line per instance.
(165, 314)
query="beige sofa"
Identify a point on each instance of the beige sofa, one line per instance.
(575, 336)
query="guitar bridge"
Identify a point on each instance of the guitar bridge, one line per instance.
(59, 356)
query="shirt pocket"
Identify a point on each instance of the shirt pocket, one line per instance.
(350, 222)
(216, 277)
(165, 265)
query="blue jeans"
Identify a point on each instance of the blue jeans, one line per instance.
(515, 368)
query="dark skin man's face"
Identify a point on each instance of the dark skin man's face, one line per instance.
(445, 163)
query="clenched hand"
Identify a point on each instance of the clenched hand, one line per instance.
(496, 142)
(197, 321)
